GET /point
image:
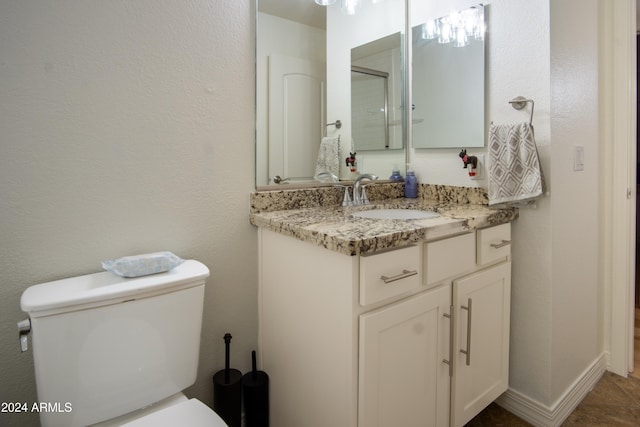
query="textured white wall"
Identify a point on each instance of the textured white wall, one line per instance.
(519, 64)
(127, 127)
(576, 294)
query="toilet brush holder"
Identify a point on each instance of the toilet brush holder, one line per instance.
(255, 393)
(227, 390)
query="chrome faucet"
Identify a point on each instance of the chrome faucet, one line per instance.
(323, 176)
(359, 196)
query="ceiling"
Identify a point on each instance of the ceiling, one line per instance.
(303, 11)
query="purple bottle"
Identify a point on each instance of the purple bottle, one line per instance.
(411, 185)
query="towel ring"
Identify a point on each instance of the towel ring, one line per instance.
(519, 102)
(337, 124)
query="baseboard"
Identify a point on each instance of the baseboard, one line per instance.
(541, 415)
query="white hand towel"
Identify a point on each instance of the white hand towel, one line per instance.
(329, 156)
(514, 167)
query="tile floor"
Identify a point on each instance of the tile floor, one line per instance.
(614, 401)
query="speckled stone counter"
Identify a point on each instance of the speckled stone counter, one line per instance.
(335, 228)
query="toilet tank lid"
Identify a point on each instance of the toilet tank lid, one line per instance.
(104, 288)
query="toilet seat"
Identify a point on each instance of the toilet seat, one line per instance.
(192, 413)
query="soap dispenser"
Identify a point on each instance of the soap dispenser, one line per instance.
(395, 176)
(411, 185)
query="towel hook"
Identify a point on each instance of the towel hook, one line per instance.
(519, 103)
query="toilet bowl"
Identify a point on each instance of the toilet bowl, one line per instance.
(176, 410)
(119, 351)
(192, 413)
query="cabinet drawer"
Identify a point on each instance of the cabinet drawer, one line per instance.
(388, 274)
(449, 257)
(494, 243)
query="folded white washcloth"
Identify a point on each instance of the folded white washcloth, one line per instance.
(329, 156)
(142, 265)
(514, 167)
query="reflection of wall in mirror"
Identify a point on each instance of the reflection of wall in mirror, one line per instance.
(447, 93)
(368, 105)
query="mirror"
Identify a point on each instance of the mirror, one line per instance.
(448, 79)
(376, 94)
(302, 92)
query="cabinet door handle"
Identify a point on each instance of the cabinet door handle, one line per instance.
(450, 317)
(403, 275)
(467, 352)
(501, 244)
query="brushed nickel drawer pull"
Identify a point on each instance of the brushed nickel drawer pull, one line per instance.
(403, 275)
(500, 245)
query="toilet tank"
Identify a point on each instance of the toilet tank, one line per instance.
(104, 345)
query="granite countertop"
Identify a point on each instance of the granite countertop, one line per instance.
(336, 229)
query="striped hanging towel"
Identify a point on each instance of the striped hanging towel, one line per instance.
(514, 167)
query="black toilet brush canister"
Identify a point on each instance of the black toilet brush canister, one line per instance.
(255, 392)
(227, 390)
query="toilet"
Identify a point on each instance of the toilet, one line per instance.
(119, 351)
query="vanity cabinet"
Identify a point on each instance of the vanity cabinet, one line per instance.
(481, 337)
(417, 336)
(403, 381)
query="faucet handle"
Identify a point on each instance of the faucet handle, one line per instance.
(346, 200)
(363, 196)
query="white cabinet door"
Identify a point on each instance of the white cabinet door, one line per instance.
(403, 380)
(481, 371)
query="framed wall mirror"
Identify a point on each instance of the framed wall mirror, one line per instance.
(448, 73)
(303, 87)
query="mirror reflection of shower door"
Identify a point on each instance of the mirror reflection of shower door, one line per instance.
(296, 115)
(369, 109)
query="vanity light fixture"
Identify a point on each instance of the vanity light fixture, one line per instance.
(461, 37)
(446, 32)
(457, 27)
(325, 2)
(429, 30)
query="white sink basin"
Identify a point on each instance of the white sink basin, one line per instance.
(395, 214)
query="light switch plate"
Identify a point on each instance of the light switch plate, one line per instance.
(578, 158)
